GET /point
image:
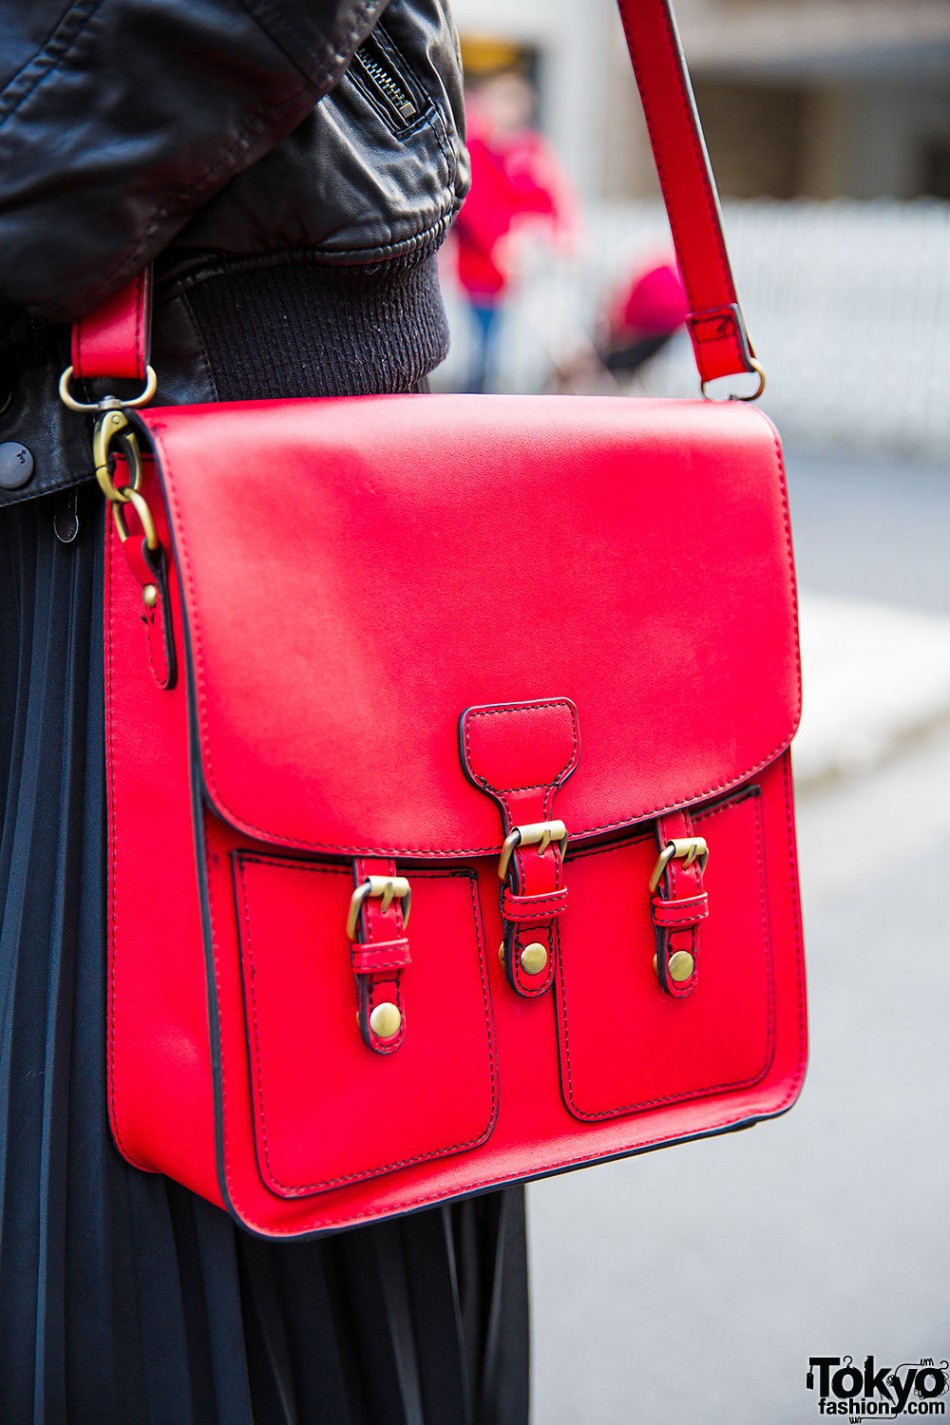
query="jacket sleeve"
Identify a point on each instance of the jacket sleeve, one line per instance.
(120, 118)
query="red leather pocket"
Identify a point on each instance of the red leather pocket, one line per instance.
(328, 1111)
(665, 1050)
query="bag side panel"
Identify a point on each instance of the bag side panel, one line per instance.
(159, 1066)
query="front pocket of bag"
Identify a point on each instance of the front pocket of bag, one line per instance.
(625, 1046)
(327, 1110)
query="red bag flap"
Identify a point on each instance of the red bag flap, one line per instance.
(357, 572)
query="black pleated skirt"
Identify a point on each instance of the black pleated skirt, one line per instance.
(124, 1299)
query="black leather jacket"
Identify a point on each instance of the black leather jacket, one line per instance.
(200, 132)
(127, 126)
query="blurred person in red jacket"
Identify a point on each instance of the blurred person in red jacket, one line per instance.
(640, 319)
(649, 309)
(517, 189)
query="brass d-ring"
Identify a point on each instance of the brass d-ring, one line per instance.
(109, 402)
(755, 366)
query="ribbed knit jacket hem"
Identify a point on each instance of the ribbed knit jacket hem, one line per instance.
(294, 328)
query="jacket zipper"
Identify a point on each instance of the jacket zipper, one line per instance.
(384, 83)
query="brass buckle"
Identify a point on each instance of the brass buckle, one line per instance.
(386, 888)
(686, 849)
(536, 833)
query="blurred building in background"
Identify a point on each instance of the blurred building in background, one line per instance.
(799, 98)
(828, 122)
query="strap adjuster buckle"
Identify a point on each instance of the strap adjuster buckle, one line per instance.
(686, 849)
(386, 888)
(535, 833)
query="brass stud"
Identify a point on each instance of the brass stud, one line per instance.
(534, 958)
(501, 954)
(385, 1020)
(681, 966)
(150, 595)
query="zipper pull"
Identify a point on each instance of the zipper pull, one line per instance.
(370, 58)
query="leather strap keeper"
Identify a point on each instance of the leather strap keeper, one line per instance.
(680, 914)
(530, 909)
(386, 955)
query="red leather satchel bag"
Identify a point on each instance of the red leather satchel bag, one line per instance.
(450, 806)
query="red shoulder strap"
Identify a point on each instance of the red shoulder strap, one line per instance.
(113, 340)
(716, 325)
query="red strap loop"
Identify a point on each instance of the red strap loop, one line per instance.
(114, 340)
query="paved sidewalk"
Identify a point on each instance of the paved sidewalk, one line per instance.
(876, 678)
(691, 1286)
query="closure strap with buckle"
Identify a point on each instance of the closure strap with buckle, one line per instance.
(679, 903)
(379, 951)
(519, 754)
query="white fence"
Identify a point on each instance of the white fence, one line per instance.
(848, 304)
